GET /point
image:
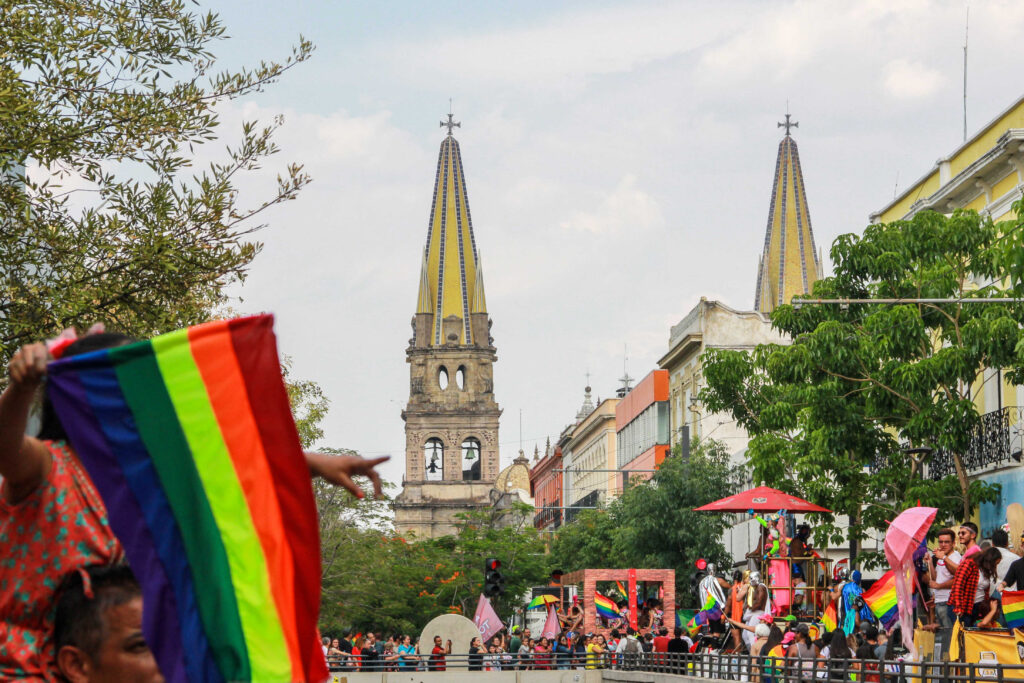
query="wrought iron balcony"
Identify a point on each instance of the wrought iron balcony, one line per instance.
(996, 439)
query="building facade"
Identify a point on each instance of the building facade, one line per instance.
(588, 454)
(986, 174)
(546, 486)
(643, 428)
(451, 419)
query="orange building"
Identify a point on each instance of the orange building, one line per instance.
(642, 427)
(546, 488)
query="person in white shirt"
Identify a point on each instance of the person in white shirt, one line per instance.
(942, 568)
(1001, 539)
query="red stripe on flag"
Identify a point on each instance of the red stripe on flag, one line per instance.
(256, 349)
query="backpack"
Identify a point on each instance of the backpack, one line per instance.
(632, 646)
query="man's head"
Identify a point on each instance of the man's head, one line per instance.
(803, 532)
(871, 635)
(326, 641)
(945, 539)
(1000, 538)
(663, 631)
(526, 633)
(98, 628)
(437, 641)
(678, 632)
(968, 532)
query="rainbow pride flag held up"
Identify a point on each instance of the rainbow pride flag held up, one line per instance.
(829, 619)
(881, 599)
(190, 441)
(1013, 609)
(606, 607)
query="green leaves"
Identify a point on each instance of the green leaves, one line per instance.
(107, 102)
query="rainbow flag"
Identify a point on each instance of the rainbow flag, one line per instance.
(881, 599)
(190, 441)
(606, 607)
(622, 589)
(1013, 609)
(829, 619)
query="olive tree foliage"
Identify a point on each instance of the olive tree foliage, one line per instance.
(107, 104)
(851, 413)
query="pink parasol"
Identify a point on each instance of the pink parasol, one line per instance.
(904, 536)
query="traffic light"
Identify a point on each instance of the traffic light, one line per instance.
(494, 582)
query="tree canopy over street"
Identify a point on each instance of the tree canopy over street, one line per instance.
(107, 105)
(652, 524)
(852, 413)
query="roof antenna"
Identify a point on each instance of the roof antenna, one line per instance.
(520, 431)
(896, 187)
(967, 21)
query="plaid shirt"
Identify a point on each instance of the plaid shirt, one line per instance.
(965, 584)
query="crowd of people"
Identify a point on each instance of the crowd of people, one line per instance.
(960, 579)
(515, 649)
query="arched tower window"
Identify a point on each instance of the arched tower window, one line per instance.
(433, 459)
(460, 378)
(442, 378)
(471, 459)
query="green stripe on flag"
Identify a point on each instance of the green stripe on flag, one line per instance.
(156, 422)
(268, 652)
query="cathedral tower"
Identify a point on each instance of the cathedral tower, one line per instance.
(451, 420)
(789, 264)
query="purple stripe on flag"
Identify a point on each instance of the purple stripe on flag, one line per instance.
(126, 519)
(115, 418)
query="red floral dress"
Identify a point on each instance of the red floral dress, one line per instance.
(60, 526)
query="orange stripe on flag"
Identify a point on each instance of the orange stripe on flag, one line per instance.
(215, 357)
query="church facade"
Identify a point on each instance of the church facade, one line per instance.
(451, 419)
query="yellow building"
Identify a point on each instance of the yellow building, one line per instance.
(789, 264)
(588, 456)
(986, 174)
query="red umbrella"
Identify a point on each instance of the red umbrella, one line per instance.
(761, 499)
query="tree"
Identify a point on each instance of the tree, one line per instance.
(868, 395)
(111, 101)
(653, 523)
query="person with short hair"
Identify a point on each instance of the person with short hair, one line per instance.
(1001, 541)
(98, 628)
(942, 568)
(438, 654)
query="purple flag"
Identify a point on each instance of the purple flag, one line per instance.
(486, 619)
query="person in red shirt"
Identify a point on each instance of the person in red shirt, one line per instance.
(660, 644)
(437, 654)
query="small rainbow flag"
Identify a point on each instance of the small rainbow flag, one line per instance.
(190, 441)
(881, 599)
(606, 607)
(1013, 609)
(829, 619)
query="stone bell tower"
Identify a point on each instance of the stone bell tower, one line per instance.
(451, 420)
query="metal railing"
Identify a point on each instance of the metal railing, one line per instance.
(718, 666)
(989, 445)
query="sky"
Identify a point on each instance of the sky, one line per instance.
(619, 160)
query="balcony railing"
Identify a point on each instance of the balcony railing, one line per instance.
(994, 441)
(546, 517)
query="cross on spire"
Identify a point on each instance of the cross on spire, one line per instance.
(787, 125)
(451, 123)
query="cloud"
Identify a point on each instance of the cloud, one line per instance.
(562, 49)
(905, 79)
(626, 209)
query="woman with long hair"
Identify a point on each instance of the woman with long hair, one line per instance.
(772, 652)
(839, 656)
(970, 594)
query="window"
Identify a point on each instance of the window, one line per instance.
(460, 378)
(471, 459)
(433, 459)
(442, 378)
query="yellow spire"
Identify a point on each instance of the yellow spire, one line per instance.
(479, 300)
(789, 264)
(450, 284)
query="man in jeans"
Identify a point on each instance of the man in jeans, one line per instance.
(942, 567)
